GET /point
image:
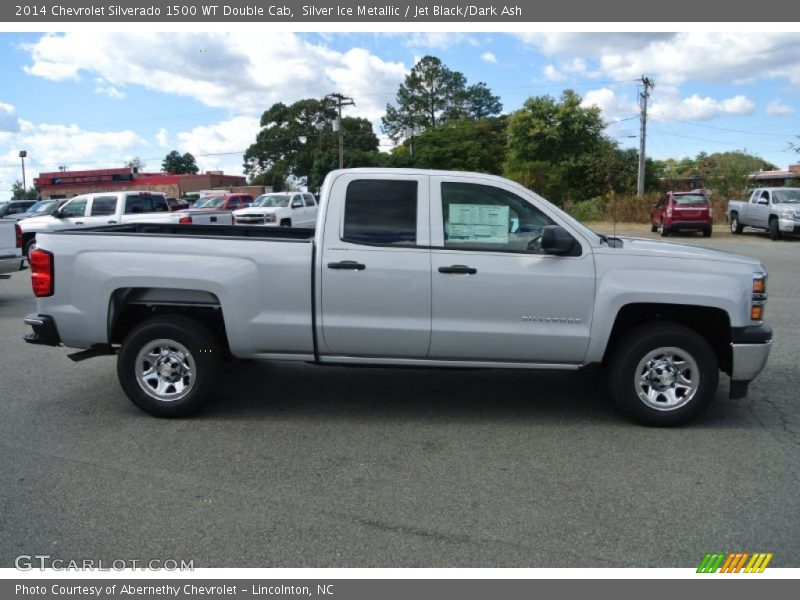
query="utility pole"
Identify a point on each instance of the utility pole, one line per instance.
(643, 96)
(339, 101)
(22, 155)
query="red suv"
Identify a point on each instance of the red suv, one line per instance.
(678, 211)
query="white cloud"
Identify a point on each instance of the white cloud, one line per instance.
(696, 108)
(489, 58)
(776, 108)
(673, 58)
(436, 40)
(613, 107)
(553, 74)
(221, 145)
(9, 123)
(244, 74)
(101, 87)
(162, 138)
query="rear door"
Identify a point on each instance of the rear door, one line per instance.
(310, 218)
(496, 295)
(375, 271)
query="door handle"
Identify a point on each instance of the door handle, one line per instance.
(459, 269)
(348, 265)
(112, 222)
(78, 222)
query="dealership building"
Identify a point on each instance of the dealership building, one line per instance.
(66, 184)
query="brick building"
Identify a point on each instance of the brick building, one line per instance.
(67, 184)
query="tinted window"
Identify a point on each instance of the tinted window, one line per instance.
(691, 200)
(74, 208)
(159, 204)
(145, 203)
(309, 200)
(381, 212)
(104, 205)
(483, 217)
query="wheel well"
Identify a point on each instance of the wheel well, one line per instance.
(130, 307)
(712, 323)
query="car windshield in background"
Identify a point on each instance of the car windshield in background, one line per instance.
(210, 202)
(786, 196)
(43, 206)
(691, 200)
(272, 201)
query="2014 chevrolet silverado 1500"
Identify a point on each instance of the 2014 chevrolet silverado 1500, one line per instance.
(411, 268)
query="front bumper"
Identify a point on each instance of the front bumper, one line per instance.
(44, 332)
(789, 226)
(750, 347)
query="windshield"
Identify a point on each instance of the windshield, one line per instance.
(210, 202)
(691, 200)
(273, 200)
(42, 206)
(787, 196)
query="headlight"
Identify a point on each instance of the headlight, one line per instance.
(269, 218)
(787, 213)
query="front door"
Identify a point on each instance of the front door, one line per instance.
(496, 296)
(375, 291)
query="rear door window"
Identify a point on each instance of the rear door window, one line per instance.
(381, 212)
(103, 206)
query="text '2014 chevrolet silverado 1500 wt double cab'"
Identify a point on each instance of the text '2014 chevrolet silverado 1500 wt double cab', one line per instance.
(408, 268)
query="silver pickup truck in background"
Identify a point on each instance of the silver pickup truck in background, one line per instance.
(111, 208)
(11, 259)
(411, 268)
(775, 209)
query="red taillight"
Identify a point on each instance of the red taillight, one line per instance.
(18, 231)
(187, 220)
(42, 278)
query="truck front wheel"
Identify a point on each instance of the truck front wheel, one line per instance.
(169, 366)
(663, 374)
(774, 230)
(736, 226)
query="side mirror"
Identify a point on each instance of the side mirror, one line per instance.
(556, 240)
(763, 201)
(297, 204)
(56, 213)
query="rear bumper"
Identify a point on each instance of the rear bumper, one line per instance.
(750, 347)
(44, 331)
(11, 264)
(677, 225)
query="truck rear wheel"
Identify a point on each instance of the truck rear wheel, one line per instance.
(663, 374)
(736, 226)
(169, 366)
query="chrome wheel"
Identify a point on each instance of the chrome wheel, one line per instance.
(667, 378)
(735, 225)
(165, 370)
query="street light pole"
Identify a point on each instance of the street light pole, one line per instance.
(22, 155)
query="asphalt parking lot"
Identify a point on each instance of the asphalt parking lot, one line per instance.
(300, 466)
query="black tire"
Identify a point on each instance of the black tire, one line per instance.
(774, 232)
(736, 226)
(707, 232)
(663, 230)
(28, 246)
(286, 222)
(204, 356)
(653, 228)
(677, 341)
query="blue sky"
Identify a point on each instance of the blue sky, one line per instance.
(93, 101)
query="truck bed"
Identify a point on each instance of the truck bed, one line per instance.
(276, 234)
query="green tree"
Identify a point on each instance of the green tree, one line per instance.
(20, 193)
(179, 164)
(135, 163)
(297, 142)
(552, 145)
(464, 145)
(432, 94)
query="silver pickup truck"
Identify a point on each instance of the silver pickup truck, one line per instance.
(775, 209)
(410, 268)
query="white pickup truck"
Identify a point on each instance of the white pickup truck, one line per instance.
(284, 209)
(410, 268)
(775, 209)
(110, 208)
(11, 259)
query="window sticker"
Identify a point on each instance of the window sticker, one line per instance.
(481, 223)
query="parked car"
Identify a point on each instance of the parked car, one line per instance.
(11, 258)
(777, 210)
(15, 207)
(178, 203)
(110, 208)
(682, 211)
(408, 267)
(224, 202)
(284, 209)
(38, 209)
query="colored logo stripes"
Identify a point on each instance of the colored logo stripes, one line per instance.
(734, 562)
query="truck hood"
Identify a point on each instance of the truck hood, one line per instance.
(656, 249)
